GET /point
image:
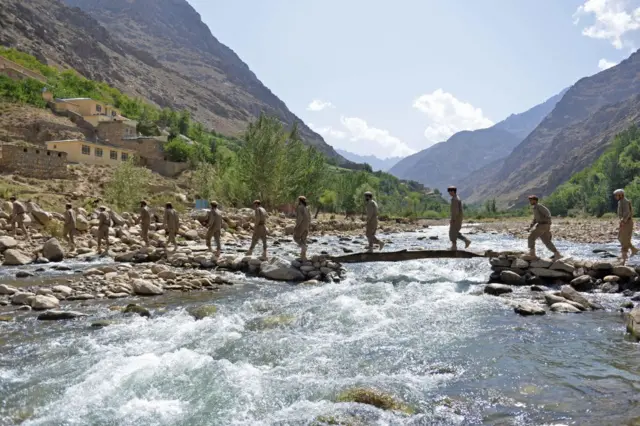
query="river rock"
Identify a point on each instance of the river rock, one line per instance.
(132, 308)
(519, 264)
(52, 250)
(41, 216)
(53, 315)
(549, 273)
(582, 283)
(633, 323)
(624, 271)
(63, 290)
(21, 298)
(280, 270)
(82, 224)
(203, 311)
(42, 303)
(191, 235)
(527, 308)
(500, 262)
(560, 265)
(540, 263)
(552, 299)
(116, 218)
(7, 289)
(611, 279)
(157, 268)
(602, 266)
(509, 277)
(13, 257)
(167, 275)
(565, 308)
(497, 289)
(145, 288)
(7, 243)
(570, 293)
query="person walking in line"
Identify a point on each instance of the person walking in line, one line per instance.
(625, 230)
(214, 227)
(372, 222)
(18, 211)
(171, 225)
(104, 223)
(303, 222)
(541, 228)
(145, 222)
(455, 224)
(69, 229)
(259, 229)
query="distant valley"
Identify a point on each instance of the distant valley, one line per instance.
(383, 164)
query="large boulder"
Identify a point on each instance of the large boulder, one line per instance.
(510, 277)
(145, 288)
(624, 271)
(633, 323)
(52, 250)
(561, 265)
(582, 283)
(565, 308)
(22, 298)
(60, 315)
(41, 216)
(6, 243)
(570, 293)
(42, 302)
(526, 308)
(280, 270)
(116, 218)
(82, 224)
(13, 257)
(550, 273)
(7, 289)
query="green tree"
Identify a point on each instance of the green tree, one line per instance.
(204, 180)
(128, 186)
(178, 150)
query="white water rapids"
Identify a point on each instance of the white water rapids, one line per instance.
(420, 330)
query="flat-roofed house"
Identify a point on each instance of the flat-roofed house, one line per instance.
(82, 151)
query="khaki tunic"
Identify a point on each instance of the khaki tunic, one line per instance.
(171, 224)
(542, 228)
(17, 215)
(104, 223)
(303, 222)
(214, 226)
(456, 220)
(372, 223)
(259, 228)
(69, 229)
(625, 232)
(145, 222)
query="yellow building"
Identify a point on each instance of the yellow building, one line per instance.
(129, 127)
(86, 107)
(80, 151)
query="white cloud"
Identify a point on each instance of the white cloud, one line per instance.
(604, 64)
(318, 105)
(328, 132)
(613, 19)
(447, 115)
(387, 144)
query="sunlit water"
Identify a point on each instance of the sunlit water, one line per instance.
(419, 330)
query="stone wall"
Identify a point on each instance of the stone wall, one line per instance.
(33, 162)
(162, 167)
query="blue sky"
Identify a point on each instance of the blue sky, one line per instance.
(393, 77)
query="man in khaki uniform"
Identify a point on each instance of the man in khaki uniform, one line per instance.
(171, 225)
(455, 224)
(303, 222)
(104, 223)
(145, 222)
(372, 222)
(541, 228)
(259, 229)
(214, 226)
(625, 231)
(17, 217)
(69, 229)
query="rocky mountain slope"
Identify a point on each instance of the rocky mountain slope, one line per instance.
(447, 163)
(578, 129)
(376, 163)
(156, 49)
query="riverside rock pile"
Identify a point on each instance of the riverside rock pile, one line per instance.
(561, 285)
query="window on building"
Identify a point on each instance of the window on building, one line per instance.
(99, 108)
(98, 152)
(86, 149)
(25, 150)
(113, 155)
(124, 156)
(37, 151)
(55, 146)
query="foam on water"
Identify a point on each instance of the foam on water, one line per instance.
(412, 329)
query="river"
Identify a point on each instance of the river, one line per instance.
(419, 330)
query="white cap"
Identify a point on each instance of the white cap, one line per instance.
(618, 191)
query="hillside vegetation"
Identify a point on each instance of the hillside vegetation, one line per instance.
(591, 190)
(269, 162)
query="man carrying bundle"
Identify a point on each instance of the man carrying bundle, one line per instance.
(541, 228)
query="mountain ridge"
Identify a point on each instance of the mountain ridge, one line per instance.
(383, 164)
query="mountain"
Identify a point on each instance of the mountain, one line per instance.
(159, 50)
(447, 163)
(376, 163)
(578, 129)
